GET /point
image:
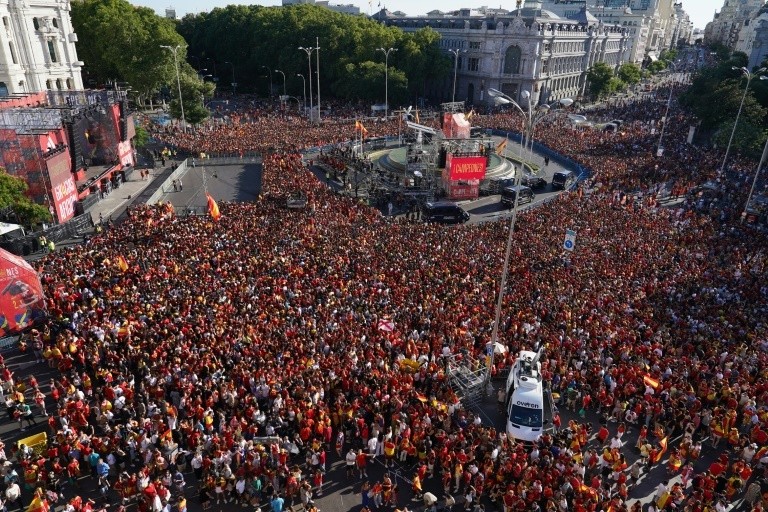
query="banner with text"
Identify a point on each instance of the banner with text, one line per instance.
(465, 167)
(63, 185)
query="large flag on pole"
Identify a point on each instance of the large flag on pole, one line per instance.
(121, 263)
(501, 147)
(213, 208)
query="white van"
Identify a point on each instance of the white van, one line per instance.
(525, 395)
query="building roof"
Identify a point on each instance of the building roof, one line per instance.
(531, 12)
(584, 17)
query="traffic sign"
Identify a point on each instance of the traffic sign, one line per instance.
(570, 240)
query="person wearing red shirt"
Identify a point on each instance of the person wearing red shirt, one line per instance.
(361, 461)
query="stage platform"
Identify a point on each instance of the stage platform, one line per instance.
(394, 161)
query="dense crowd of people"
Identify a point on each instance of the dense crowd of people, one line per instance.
(236, 361)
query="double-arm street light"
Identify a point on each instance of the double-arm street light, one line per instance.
(455, 53)
(234, 84)
(270, 79)
(749, 76)
(278, 71)
(309, 66)
(532, 117)
(304, 88)
(175, 50)
(386, 78)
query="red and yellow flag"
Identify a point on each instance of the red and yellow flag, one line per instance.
(358, 125)
(501, 146)
(213, 208)
(121, 263)
(38, 505)
(362, 129)
(650, 381)
(661, 452)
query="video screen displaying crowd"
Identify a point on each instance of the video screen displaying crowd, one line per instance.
(235, 361)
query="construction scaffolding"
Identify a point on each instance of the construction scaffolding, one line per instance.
(467, 377)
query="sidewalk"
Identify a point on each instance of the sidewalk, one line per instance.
(119, 199)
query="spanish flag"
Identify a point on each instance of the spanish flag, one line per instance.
(661, 452)
(121, 263)
(467, 117)
(421, 397)
(501, 146)
(362, 129)
(38, 505)
(650, 381)
(358, 126)
(213, 208)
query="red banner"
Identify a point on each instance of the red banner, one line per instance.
(465, 167)
(63, 185)
(21, 296)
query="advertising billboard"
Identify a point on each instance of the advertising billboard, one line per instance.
(465, 167)
(63, 186)
(21, 296)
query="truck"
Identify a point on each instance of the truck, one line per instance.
(529, 407)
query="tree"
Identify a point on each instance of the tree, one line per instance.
(141, 138)
(630, 73)
(121, 42)
(657, 66)
(13, 192)
(193, 91)
(254, 36)
(599, 77)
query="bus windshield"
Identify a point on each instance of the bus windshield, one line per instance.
(525, 416)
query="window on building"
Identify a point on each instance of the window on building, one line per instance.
(55, 22)
(13, 52)
(70, 84)
(52, 51)
(6, 23)
(59, 83)
(475, 45)
(473, 64)
(36, 23)
(547, 47)
(545, 66)
(49, 84)
(512, 60)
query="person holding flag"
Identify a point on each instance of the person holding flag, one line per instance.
(213, 208)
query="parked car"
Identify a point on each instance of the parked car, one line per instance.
(563, 180)
(534, 181)
(444, 212)
(509, 194)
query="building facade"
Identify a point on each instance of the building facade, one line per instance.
(753, 38)
(37, 47)
(529, 49)
(727, 24)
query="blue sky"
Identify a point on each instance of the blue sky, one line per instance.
(701, 11)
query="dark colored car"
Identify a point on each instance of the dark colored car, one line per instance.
(563, 180)
(444, 212)
(508, 195)
(533, 181)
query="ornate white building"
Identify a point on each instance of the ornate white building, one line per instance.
(529, 49)
(37, 47)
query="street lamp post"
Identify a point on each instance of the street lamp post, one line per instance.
(763, 159)
(531, 115)
(317, 47)
(309, 66)
(234, 84)
(749, 76)
(175, 50)
(304, 88)
(214, 67)
(386, 78)
(278, 71)
(530, 122)
(455, 53)
(270, 80)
